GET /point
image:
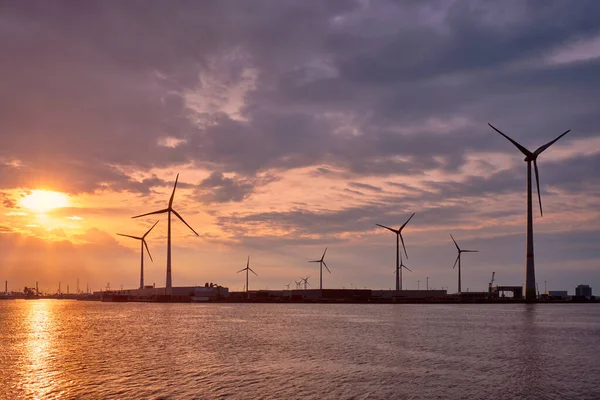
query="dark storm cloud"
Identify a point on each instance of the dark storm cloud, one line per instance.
(380, 88)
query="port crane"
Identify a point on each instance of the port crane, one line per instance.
(491, 283)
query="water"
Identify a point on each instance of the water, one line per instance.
(67, 349)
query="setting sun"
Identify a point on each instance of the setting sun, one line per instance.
(44, 200)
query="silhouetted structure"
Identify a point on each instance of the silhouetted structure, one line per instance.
(143, 243)
(531, 157)
(305, 280)
(247, 269)
(583, 291)
(169, 210)
(321, 262)
(399, 238)
(460, 251)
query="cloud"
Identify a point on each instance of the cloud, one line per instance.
(381, 105)
(220, 189)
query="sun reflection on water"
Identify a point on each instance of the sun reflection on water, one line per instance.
(37, 376)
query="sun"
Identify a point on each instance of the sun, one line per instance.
(41, 201)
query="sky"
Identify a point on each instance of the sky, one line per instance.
(296, 125)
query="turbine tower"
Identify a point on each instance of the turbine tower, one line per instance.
(460, 251)
(169, 210)
(143, 243)
(321, 262)
(531, 157)
(247, 269)
(399, 238)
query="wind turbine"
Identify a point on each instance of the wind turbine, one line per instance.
(169, 210)
(298, 283)
(399, 238)
(305, 280)
(460, 251)
(247, 269)
(531, 157)
(321, 262)
(399, 271)
(288, 285)
(142, 244)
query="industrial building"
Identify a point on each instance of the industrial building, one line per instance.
(557, 294)
(583, 291)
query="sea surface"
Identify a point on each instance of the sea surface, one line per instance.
(53, 349)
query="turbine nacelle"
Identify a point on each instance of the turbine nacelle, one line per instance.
(398, 232)
(531, 157)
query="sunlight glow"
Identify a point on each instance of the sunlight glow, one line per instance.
(42, 201)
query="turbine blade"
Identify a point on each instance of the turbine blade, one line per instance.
(402, 227)
(146, 234)
(323, 256)
(182, 220)
(326, 267)
(517, 145)
(541, 149)
(456, 244)
(405, 267)
(470, 251)
(248, 263)
(153, 212)
(129, 236)
(250, 269)
(387, 227)
(173, 193)
(315, 261)
(241, 270)
(403, 246)
(537, 181)
(456, 261)
(147, 249)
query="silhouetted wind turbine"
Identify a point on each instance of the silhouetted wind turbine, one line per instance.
(298, 283)
(399, 271)
(399, 238)
(288, 285)
(305, 280)
(142, 244)
(529, 158)
(247, 269)
(321, 262)
(460, 251)
(169, 210)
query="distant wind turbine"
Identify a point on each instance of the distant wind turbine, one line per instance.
(321, 262)
(143, 243)
(460, 251)
(305, 280)
(530, 288)
(247, 269)
(288, 285)
(169, 210)
(399, 271)
(399, 238)
(298, 283)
